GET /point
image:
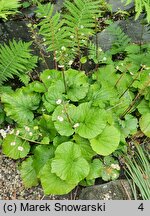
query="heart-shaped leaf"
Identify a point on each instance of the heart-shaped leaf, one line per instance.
(106, 142)
(69, 164)
(15, 147)
(52, 184)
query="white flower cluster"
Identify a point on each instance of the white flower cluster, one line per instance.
(5, 132)
(20, 148)
(115, 166)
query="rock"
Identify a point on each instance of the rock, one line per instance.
(131, 27)
(114, 190)
(120, 5)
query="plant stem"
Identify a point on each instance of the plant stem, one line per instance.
(135, 99)
(131, 83)
(64, 80)
(67, 115)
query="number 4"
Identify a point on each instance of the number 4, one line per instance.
(141, 207)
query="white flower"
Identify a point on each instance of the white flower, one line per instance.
(13, 143)
(61, 66)
(17, 132)
(27, 128)
(63, 48)
(117, 67)
(104, 59)
(60, 118)
(20, 148)
(76, 125)
(70, 62)
(30, 133)
(71, 36)
(11, 132)
(3, 133)
(81, 26)
(82, 34)
(100, 50)
(58, 101)
(114, 175)
(49, 77)
(115, 166)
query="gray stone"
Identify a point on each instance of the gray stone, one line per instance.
(120, 5)
(131, 27)
(114, 190)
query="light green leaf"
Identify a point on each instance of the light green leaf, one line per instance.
(95, 169)
(91, 120)
(54, 96)
(107, 142)
(19, 105)
(52, 184)
(144, 107)
(50, 76)
(28, 173)
(42, 154)
(46, 127)
(145, 124)
(63, 118)
(15, 147)
(77, 85)
(85, 147)
(69, 164)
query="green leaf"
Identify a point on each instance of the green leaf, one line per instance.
(60, 117)
(145, 124)
(15, 147)
(69, 164)
(129, 125)
(49, 77)
(28, 173)
(54, 96)
(95, 169)
(42, 154)
(77, 85)
(83, 60)
(85, 147)
(144, 107)
(52, 184)
(60, 139)
(91, 121)
(107, 142)
(46, 127)
(19, 105)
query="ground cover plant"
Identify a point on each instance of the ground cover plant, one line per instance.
(69, 127)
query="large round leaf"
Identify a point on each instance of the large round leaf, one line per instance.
(145, 124)
(52, 184)
(50, 76)
(15, 147)
(28, 173)
(54, 96)
(106, 142)
(91, 121)
(85, 147)
(69, 164)
(63, 119)
(77, 85)
(20, 104)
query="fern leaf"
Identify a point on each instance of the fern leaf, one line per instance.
(15, 59)
(8, 7)
(121, 40)
(51, 27)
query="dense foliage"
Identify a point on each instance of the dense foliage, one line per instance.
(72, 127)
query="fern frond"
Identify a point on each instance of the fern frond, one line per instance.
(120, 41)
(51, 27)
(15, 59)
(80, 19)
(8, 7)
(141, 5)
